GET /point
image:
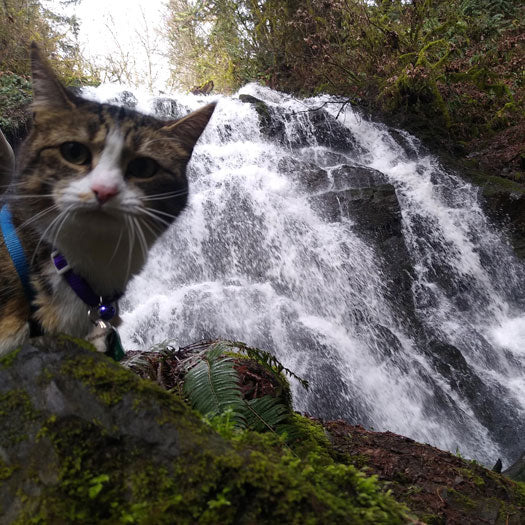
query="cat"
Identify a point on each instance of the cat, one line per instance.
(95, 185)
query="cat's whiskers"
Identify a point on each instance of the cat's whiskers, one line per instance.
(61, 225)
(166, 195)
(11, 185)
(146, 211)
(142, 239)
(36, 217)
(50, 227)
(117, 245)
(144, 221)
(166, 214)
(131, 237)
(15, 196)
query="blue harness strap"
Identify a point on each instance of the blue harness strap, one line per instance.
(14, 247)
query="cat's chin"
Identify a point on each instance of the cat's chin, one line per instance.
(101, 247)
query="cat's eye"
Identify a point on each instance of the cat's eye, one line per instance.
(76, 153)
(142, 168)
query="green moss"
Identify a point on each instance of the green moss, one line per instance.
(461, 499)
(82, 343)
(432, 519)
(16, 412)
(203, 486)
(471, 476)
(7, 360)
(100, 475)
(107, 384)
(6, 471)
(15, 94)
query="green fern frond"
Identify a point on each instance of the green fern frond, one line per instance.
(212, 385)
(267, 359)
(265, 413)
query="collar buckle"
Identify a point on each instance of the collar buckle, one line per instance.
(60, 263)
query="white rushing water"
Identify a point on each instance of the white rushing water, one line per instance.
(275, 249)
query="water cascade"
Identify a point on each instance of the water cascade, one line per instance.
(342, 247)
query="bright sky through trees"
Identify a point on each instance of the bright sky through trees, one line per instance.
(122, 36)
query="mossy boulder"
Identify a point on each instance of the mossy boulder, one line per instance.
(83, 440)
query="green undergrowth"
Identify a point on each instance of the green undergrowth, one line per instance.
(15, 95)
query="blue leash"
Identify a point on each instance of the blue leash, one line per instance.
(14, 247)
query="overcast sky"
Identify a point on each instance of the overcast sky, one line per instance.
(124, 18)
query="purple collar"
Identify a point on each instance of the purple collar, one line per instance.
(106, 309)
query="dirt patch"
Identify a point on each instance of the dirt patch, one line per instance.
(439, 487)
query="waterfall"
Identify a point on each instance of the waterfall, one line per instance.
(345, 249)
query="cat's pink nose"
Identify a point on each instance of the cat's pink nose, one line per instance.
(104, 193)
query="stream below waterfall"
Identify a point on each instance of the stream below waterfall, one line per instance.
(345, 249)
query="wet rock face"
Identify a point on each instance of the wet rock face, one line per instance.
(328, 131)
(508, 209)
(491, 405)
(167, 108)
(361, 195)
(126, 98)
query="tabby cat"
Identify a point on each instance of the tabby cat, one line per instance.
(95, 185)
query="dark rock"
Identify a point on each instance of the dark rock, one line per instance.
(346, 176)
(125, 98)
(330, 133)
(306, 176)
(517, 470)
(376, 214)
(412, 148)
(311, 127)
(493, 406)
(169, 109)
(507, 208)
(498, 466)
(324, 157)
(270, 123)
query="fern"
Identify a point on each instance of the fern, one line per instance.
(269, 360)
(212, 386)
(265, 413)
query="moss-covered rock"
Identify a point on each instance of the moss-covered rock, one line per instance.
(83, 440)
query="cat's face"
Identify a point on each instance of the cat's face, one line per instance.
(90, 169)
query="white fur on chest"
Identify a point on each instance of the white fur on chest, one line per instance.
(71, 311)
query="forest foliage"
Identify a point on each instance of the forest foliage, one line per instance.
(457, 64)
(24, 21)
(452, 70)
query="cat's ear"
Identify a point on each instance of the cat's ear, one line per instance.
(189, 129)
(47, 89)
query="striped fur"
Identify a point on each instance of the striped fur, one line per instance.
(103, 213)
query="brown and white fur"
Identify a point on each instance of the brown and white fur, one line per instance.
(97, 182)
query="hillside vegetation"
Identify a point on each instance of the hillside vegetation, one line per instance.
(451, 71)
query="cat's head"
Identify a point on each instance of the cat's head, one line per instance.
(91, 170)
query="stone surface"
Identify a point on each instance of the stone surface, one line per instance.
(328, 131)
(83, 440)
